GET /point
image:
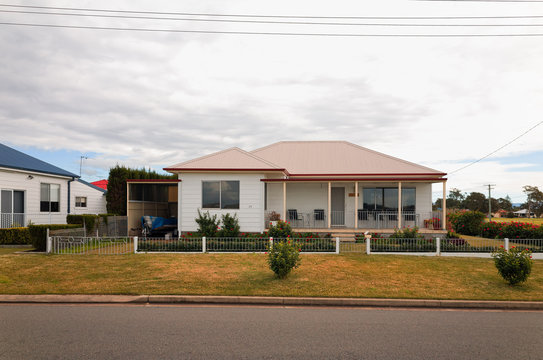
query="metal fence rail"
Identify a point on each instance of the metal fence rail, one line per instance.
(90, 245)
(232, 244)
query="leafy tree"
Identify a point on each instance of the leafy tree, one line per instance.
(534, 201)
(476, 201)
(504, 204)
(456, 199)
(116, 187)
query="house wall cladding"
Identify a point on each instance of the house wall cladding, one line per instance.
(15, 180)
(251, 208)
(96, 200)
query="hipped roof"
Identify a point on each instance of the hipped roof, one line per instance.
(233, 159)
(308, 158)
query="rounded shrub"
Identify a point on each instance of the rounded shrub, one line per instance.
(514, 265)
(280, 231)
(283, 256)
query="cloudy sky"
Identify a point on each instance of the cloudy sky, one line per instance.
(158, 98)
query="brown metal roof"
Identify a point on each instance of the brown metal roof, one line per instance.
(339, 158)
(233, 159)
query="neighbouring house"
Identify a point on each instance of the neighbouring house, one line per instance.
(101, 183)
(32, 190)
(524, 213)
(316, 185)
(500, 214)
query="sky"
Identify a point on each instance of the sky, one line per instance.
(154, 99)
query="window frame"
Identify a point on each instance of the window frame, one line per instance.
(381, 206)
(78, 204)
(50, 188)
(220, 195)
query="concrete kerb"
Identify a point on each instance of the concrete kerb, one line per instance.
(274, 301)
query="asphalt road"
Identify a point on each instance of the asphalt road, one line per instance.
(191, 332)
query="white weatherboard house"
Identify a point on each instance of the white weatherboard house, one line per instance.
(32, 190)
(317, 185)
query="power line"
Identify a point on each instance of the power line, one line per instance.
(498, 149)
(271, 33)
(263, 21)
(277, 16)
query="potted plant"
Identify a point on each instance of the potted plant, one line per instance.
(274, 218)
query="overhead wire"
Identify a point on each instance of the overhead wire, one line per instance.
(264, 21)
(275, 16)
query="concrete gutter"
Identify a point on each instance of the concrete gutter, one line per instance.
(274, 301)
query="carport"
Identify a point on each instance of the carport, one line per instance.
(151, 197)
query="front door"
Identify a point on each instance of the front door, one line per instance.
(338, 206)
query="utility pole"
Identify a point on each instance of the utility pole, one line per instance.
(81, 163)
(490, 187)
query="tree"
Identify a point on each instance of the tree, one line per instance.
(504, 204)
(456, 199)
(476, 201)
(534, 201)
(116, 187)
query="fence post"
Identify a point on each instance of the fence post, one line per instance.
(271, 243)
(135, 244)
(203, 244)
(368, 247)
(337, 245)
(438, 246)
(48, 243)
(506, 244)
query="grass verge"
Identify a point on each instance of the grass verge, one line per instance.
(349, 275)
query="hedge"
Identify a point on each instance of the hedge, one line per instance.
(89, 220)
(15, 236)
(38, 233)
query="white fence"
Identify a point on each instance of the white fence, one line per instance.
(388, 246)
(450, 247)
(127, 245)
(81, 245)
(233, 245)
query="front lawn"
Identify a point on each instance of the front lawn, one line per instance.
(349, 275)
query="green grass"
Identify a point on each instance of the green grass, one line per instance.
(9, 250)
(349, 275)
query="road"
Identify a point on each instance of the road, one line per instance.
(222, 332)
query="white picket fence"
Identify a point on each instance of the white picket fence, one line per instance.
(384, 246)
(127, 245)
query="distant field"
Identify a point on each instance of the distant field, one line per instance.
(538, 221)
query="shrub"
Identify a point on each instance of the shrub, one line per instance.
(407, 233)
(38, 233)
(88, 219)
(15, 236)
(284, 256)
(467, 222)
(514, 265)
(280, 231)
(230, 226)
(207, 225)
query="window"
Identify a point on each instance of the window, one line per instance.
(220, 194)
(12, 208)
(50, 197)
(81, 201)
(386, 199)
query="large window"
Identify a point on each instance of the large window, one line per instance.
(386, 199)
(50, 197)
(220, 194)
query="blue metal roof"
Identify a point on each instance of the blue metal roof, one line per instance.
(14, 159)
